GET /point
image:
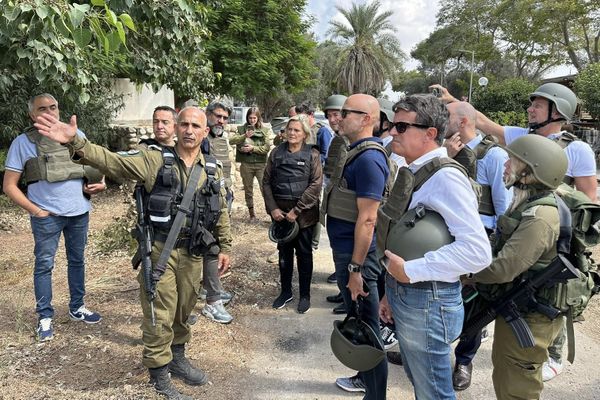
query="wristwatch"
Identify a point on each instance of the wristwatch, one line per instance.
(354, 267)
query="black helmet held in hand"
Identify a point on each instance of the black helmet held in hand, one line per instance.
(283, 231)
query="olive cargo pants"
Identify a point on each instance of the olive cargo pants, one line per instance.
(248, 171)
(518, 372)
(176, 295)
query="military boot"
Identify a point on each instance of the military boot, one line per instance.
(160, 379)
(181, 368)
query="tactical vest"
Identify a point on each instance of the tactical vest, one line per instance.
(399, 199)
(335, 154)
(486, 203)
(167, 193)
(53, 163)
(565, 139)
(220, 149)
(340, 202)
(290, 173)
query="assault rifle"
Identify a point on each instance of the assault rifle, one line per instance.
(142, 256)
(522, 296)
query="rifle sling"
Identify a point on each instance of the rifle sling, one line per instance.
(182, 212)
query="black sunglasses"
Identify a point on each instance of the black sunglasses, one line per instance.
(401, 126)
(346, 111)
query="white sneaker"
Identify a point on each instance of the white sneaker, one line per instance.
(217, 313)
(551, 369)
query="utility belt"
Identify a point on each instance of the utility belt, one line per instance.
(429, 285)
(183, 241)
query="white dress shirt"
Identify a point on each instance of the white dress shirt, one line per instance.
(449, 193)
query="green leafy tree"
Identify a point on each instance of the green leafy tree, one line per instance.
(505, 101)
(370, 52)
(587, 86)
(260, 48)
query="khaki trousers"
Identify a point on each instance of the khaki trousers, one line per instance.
(517, 371)
(248, 171)
(176, 295)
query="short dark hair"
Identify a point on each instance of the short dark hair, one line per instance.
(305, 107)
(165, 108)
(430, 112)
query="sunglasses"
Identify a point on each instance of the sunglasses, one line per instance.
(401, 126)
(345, 112)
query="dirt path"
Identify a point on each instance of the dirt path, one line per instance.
(263, 354)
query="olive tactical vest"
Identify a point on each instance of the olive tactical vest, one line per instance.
(340, 202)
(220, 149)
(399, 199)
(486, 203)
(565, 139)
(53, 163)
(335, 154)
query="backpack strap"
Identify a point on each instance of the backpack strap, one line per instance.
(484, 146)
(565, 139)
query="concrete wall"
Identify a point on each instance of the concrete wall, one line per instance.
(140, 101)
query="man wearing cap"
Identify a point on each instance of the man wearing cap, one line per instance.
(552, 105)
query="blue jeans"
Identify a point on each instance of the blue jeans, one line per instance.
(427, 321)
(375, 379)
(46, 235)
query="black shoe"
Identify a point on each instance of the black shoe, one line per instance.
(180, 367)
(336, 298)
(303, 305)
(394, 357)
(282, 300)
(160, 379)
(461, 377)
(340, 309)
(332, 278)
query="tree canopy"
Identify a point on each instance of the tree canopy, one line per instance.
(370, 53)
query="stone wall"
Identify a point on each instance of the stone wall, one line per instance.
(592, 137)
(126, 137)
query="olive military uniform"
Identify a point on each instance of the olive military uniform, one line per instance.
(253, 163)
(528, 246)
(179, 286)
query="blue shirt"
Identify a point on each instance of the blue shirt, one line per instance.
(490, 171)
(324, 138)
(366, 175)
(63, 198)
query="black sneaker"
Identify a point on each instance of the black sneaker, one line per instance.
(394, 357)
(332, 278)
(303, 305)
(340, 309)
(282, 300)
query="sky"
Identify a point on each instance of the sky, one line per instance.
(414, 21)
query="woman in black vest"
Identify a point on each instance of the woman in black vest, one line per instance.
(292, 187)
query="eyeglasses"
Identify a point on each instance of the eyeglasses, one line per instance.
(223, 117)
(402, 126)
(346, 111)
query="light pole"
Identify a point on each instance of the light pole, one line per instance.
(472, 68)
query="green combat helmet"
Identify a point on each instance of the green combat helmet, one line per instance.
(91, 175)
(417, 232)
(561, 96)
(334, 102)
(386, 107)
(546, 159)
(283, 231)
(355, 345)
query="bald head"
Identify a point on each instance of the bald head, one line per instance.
(463, 119)
(362, 115)
(191, 128)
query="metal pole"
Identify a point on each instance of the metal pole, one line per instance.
(472, 68)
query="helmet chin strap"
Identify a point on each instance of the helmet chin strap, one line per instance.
(549, 120)
(380, 131)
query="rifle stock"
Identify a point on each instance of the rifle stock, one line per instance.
(522, 295)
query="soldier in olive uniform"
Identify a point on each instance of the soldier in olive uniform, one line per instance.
(253, 143)
(178, 287)
(525, 243)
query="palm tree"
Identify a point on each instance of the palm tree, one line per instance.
(371, 53)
